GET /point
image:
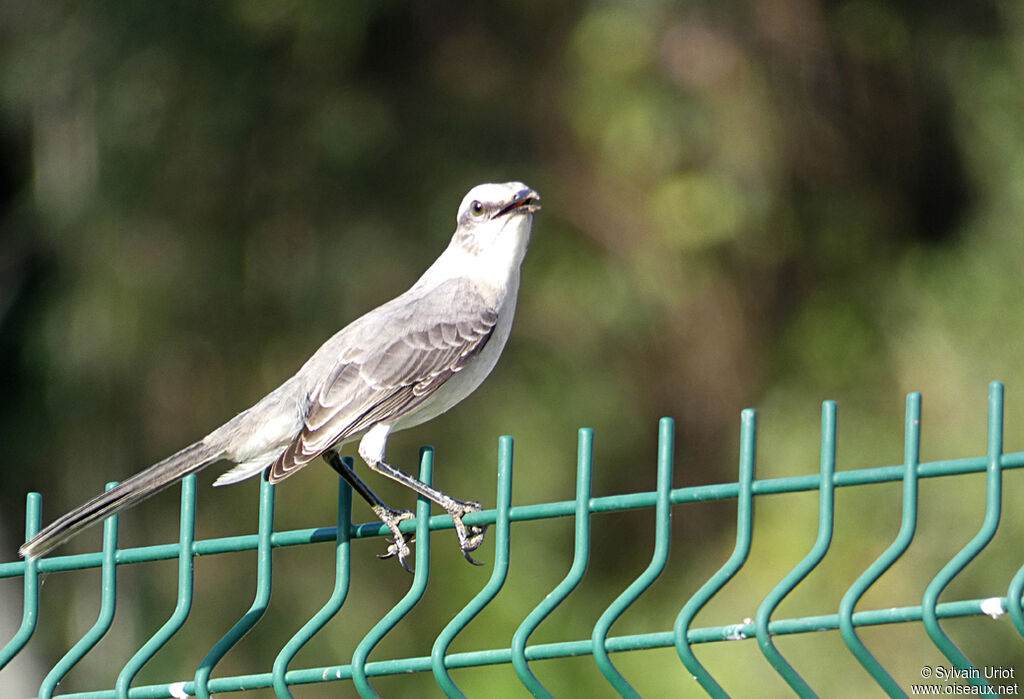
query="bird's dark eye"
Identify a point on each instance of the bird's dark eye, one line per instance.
(476, 207)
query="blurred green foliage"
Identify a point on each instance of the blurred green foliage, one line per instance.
(746, 204)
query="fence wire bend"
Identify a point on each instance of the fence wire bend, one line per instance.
(519, 653)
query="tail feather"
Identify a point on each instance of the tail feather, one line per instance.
(131, 492)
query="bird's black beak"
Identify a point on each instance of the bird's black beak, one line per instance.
(526, 200)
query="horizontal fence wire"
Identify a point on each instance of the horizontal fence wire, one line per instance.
(519, 653)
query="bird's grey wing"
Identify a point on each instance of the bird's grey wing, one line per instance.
(388, 363)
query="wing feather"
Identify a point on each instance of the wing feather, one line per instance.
(387, 364)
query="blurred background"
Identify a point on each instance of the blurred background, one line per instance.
(762, 204)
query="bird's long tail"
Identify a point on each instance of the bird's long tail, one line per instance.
(132, 491)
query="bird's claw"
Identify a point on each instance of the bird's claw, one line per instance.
(471, 537)
(398, 547)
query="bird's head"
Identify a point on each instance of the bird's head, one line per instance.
(497, 219)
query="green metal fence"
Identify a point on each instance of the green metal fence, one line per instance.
(519, 652)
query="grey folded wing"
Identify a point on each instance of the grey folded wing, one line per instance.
(387, 364)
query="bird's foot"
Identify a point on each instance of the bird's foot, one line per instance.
(398, 546)
(470, 537)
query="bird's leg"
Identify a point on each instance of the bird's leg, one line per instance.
(470, 537)
(389, 516)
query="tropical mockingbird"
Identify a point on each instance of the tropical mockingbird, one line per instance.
(397, 366)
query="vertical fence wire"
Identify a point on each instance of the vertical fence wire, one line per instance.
(264, 571)
(908, 525)
(826, 521)
(30, 596)
(993, 504)
(108, 600)
(584, 473)
(744, 535)
(502, 550)
(662, 533)
(342, 577)
(186, 569)
(419, 585)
